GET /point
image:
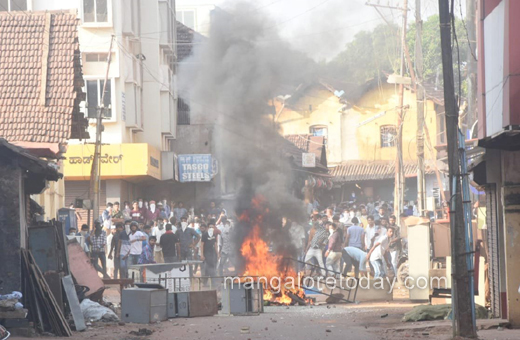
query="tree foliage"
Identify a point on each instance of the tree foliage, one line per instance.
(431, 46)
(372, 53)
(368, 55)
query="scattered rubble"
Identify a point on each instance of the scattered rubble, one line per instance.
(142, 332)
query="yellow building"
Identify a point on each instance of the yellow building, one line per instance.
(360, 133)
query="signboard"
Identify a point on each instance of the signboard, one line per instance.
(173, 276)
(195, 168)
(308, 160)
(127, 160)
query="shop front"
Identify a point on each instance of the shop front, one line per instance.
(126, 171)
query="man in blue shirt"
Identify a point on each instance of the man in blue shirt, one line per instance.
(355, 235)
(147, 256)
(180, 211)
(355, 257)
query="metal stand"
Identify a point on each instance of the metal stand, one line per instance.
(349, 290)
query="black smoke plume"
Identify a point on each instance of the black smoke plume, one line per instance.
(231, 78)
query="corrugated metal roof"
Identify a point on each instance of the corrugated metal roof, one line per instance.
(370, 170)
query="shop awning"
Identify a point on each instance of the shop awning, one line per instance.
(353, 171)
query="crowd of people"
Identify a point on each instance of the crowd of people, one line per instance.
(148, 232)
(334, 240)
(360, 236)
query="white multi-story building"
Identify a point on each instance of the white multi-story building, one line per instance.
(195, 14)
(140, 98)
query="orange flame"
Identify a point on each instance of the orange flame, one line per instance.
(260, 262)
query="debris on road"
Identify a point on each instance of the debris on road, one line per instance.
(142, 332)
(95, 312)
(437, 312)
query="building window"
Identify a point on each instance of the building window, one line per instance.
(388, 136)
(95, 10)
(94, 94)
(187, 18)
(319, 131)
(96, 57)
(13, 5)
(183, 112)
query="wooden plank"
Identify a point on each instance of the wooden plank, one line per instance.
(72, 297)
(45, 298)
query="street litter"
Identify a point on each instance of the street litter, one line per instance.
(95, 312)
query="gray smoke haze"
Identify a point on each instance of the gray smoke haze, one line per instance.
(231, 78)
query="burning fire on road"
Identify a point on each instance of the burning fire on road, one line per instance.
(264, 263)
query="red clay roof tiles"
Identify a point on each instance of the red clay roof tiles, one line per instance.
(22, 42)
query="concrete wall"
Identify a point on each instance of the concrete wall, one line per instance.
(386, 99)
(494, 68)
(10, 264)
(355, 134)
(317, 107)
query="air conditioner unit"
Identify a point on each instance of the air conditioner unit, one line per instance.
(78, 203)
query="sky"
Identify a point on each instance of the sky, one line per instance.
(321, 28)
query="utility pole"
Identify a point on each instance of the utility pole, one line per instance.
(399, 172)
(471, 29)
(421, 187)
(463, 325)
(399, 175)
(95, 173)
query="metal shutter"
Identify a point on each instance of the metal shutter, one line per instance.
(80, 189)
(493, 253)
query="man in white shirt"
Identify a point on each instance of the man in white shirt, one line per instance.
(376, 255)
(158, 231)
(370, 233)
(136, 243)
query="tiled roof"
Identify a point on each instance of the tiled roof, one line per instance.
(301, 141)
(310, 143)
(371, 170)
(293, 151)
(185, 39)
(33, 46)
